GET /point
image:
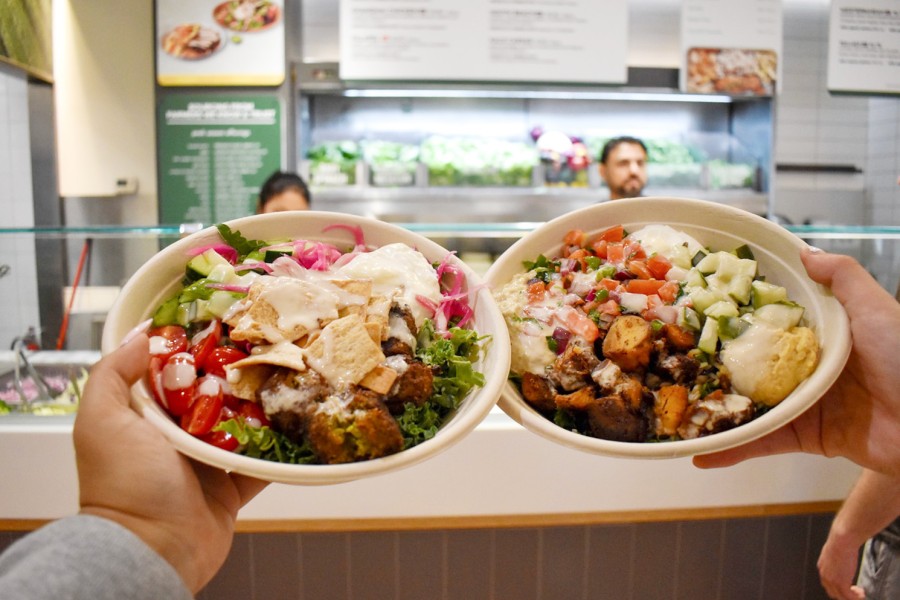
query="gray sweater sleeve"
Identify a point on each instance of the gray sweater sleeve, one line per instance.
(90, 558)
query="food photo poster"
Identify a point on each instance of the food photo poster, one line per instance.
(214, 43)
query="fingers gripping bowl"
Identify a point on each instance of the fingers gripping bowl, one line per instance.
(594, 403)
(161, 278)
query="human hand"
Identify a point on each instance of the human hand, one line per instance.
(128, 472)
(859, 417)
(837, 567)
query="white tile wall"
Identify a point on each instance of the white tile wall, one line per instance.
(814, 127)
(18, 289)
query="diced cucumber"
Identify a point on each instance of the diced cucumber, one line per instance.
(763, 293)
(722, 308)
(167, 313)
(185, 313)
(744, 251)
(703, 298)
(709, 337)
(731, 327)
(275, 252)
(222, 273)
(221, 301)
(201, 265)
(695, 279)
(709, 263)
(689, 319)
(733, 275)
(699, 256)
(784, 315)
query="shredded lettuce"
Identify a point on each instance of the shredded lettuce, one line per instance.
(451, 358)
(266, 443)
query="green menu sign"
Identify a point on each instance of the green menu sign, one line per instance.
(215, 151)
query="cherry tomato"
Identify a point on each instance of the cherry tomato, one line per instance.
(206, 408)
(179, 379)
(253, 414)
(221, 439)
(219, 357)
(206, 340)
(154, 380)
(167, 340)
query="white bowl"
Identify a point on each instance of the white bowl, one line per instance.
(160, 277)
(719, 227)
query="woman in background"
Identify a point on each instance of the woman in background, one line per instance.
(283, 191)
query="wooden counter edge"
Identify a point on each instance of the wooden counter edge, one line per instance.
(502, 521)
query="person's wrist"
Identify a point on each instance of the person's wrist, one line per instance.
(157, 537)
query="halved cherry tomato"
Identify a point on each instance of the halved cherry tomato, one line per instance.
(154, 380)
(659, 265)
(206, 409)
(167, 340)
(221, 439)
(179, 379)
(206, 340)
(253, 413)
(219, 357)
(648, 287)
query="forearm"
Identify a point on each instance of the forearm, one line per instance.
(871, 505)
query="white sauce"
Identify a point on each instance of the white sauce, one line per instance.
(209, 387)
(158, 345)
(399, 273)
(669, 242)
(178, 374)
(745, 355)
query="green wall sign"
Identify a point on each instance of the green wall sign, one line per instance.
(215, 151)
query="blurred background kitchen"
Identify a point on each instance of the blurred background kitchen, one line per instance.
(102, 161)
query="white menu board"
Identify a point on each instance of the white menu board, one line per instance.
(578, 41)
(222, 43)
(731, 47)
(864, 46)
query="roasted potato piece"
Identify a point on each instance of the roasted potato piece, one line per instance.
(669, 405)
(612, 381)
(580, 400)
(680, 338)
(629, 342)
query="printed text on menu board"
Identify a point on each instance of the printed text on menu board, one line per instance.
(864, 46)
(214, 154)
(578, 41)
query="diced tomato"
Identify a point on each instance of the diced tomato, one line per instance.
(640, 269)
(252, 413)
(659, 265)
(206, 340)
(608, 284)
(669, 292)
(221, 439)
(578, 323)
(206, 408)
(167, 340)
(598, 247)
(615, 252)
(535, 291)
(634, 251)
(615, 233)
(579, 255)
(219, 357)
(179, 379)
(648, 287)
(574, 237)
(610, 307)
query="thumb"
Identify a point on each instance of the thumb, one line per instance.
(116, 373)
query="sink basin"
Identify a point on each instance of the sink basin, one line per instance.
(64, 381)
